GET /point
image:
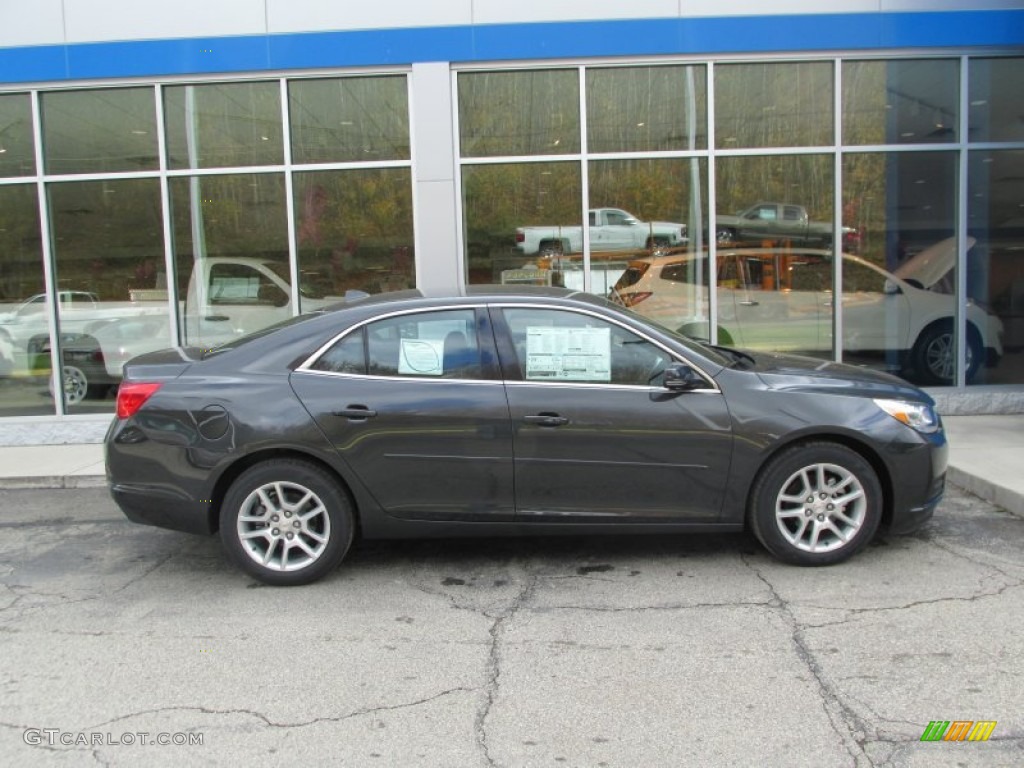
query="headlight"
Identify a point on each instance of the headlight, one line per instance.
(917, 416)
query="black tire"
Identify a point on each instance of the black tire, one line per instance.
(799, 506)
(725, 235)
(934, 357)
(550, 248)
(290, 509)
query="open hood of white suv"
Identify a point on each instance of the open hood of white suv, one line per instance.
(932, 264)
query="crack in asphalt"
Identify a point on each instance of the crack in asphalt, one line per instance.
(497, 632)
(268, 721)
(24, 591)
(855, 613)
(845, 723)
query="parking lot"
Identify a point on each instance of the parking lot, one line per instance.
(127, 645)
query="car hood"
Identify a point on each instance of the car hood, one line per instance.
(792, 372)
(932, 264)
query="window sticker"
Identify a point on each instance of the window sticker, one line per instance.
(421, 357)
(568, 354)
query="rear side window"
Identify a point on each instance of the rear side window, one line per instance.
(424, 345)
(347, 356)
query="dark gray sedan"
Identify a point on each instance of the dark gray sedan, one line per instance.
(511, 412)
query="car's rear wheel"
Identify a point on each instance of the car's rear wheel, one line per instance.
(816, 504)
(286, 522)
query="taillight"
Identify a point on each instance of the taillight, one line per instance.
(132, 395)
(632, 299)
(520, 237)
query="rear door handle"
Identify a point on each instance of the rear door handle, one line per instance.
(546, 420)
(356, 413)
(750, 303)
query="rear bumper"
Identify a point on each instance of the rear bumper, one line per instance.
(162, 507)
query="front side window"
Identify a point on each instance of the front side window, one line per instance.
(562, 346)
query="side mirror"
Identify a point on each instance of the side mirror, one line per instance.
(680, 377)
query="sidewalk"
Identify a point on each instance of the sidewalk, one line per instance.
(986, 458)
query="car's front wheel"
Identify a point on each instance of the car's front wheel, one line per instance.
(816, 504)
(286, 522)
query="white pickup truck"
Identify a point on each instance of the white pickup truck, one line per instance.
(227, 296)
(611, 229)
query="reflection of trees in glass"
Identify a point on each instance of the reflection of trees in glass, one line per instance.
(519, 113)
(354, 229)
(864, 202)
(349, 119)
(499, 198)
(21, 264)
(638, 109)
(773, 105)
(100, 130)
(104, 232)
(223, 124)
(652, 190)
(805, 180)
(16, 147)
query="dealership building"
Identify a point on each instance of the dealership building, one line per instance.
(843, 180)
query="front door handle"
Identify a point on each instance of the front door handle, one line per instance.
(546, 420)
(356, 413)
(750, 303)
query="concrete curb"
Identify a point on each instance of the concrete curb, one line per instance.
(1010, 500)
(52, 482)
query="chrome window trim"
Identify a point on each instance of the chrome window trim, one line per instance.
(306, 365)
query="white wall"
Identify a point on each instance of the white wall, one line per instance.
(43, 22)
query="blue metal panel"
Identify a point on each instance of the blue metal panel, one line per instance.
(696, 36)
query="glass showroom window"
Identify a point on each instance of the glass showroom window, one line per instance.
(667, 220)
(899, 294)
(17, 150)
(354, 231)
(645, 109)
(349, 120)
(99, 131)
(775, 251)
(223, 124)
(108, 253)
(231, 254)
(508, 208)
(773, 105)
(911, 101)
(24, 332)
(995, 265)
(519, 113)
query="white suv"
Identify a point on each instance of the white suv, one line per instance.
(781, 299)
